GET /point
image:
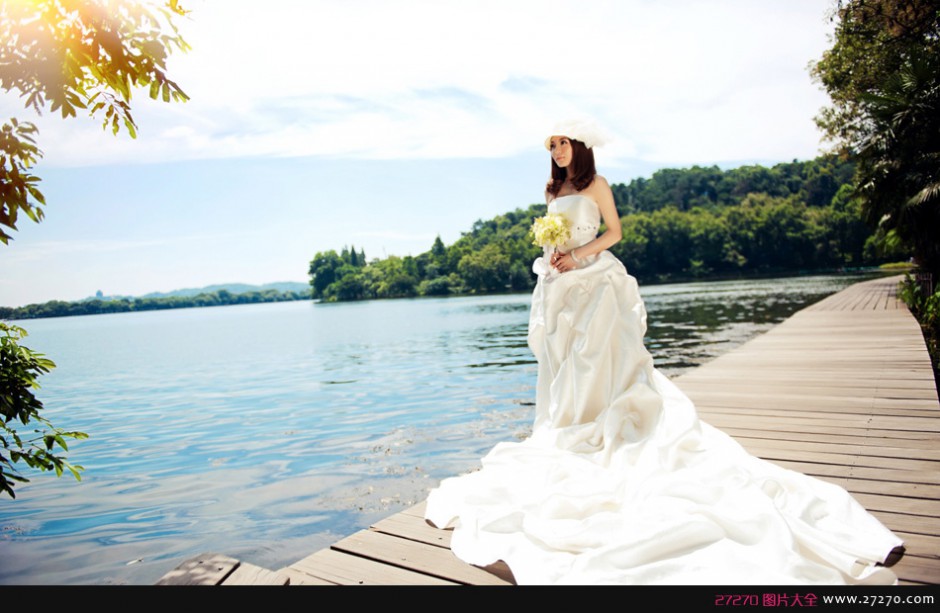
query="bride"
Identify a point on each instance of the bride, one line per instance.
(620, 482)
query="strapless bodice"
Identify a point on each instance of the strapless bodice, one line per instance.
(583, 215)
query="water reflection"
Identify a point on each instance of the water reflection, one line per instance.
(689, 324)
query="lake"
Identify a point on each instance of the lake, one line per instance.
(267, 432)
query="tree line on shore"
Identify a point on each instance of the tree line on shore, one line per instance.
(679, 224)
(96, 306)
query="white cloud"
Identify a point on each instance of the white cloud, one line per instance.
(677, 82)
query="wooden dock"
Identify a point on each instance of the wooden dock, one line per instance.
(842, 390)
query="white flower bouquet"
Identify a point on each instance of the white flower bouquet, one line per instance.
(551, 231)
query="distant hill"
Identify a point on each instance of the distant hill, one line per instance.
(234, 288)
(212, 295)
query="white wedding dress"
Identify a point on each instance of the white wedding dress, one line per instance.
(621, 483)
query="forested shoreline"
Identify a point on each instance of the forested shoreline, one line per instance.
(61, 308)
(680, 224)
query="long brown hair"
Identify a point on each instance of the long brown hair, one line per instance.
(582, 169)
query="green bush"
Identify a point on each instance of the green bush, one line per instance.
(924, 303)
(24, 434)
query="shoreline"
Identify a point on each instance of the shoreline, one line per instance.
(127, 305)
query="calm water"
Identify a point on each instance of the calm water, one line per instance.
(267, 432)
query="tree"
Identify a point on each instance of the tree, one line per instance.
(64, 56)
(486, 270)
(883, 77)
(322, 272)
(899, 160)
(872, 40)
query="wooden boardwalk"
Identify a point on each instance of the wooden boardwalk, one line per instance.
(842, 390)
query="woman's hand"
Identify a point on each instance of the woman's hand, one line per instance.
(563, 262)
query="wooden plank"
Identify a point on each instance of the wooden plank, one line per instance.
(926, 509)
(878, 473)
(857, 390)
(416, 556)
(774, 454)
(297, 577)
(894, 405)
(796, 448)
(871, 426)
(343, 568)
(918, 570)
(784, 383)
(931, 493)
(841, 436)
(921, 545)
(204, 569)
(249, 574)
(416, 509)
(414, 528)
(904, 523)
(796, 430)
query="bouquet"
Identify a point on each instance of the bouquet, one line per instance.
(550, 231)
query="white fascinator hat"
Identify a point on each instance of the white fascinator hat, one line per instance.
(584, 130)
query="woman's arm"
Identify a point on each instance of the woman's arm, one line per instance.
(599, 191)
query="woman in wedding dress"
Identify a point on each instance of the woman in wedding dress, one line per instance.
(620, 482)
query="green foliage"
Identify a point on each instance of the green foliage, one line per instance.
(924, 303)
(70, 55)
(883, 77)
(485, 270)
(18, 187)
(59, 308)
(814, 182)
(25, 435)
(762, 234)
(680, 224)
(899, 160)
(322, 271)
(903, 266)
(872, 40)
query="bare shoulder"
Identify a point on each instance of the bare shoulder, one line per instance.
(600, 188)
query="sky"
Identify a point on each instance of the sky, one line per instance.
(380, 124)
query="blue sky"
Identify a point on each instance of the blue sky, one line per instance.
(383, 123)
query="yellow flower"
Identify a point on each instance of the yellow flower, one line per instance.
(551, 230)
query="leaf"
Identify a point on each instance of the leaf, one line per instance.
(39, 197)
(31, 212)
